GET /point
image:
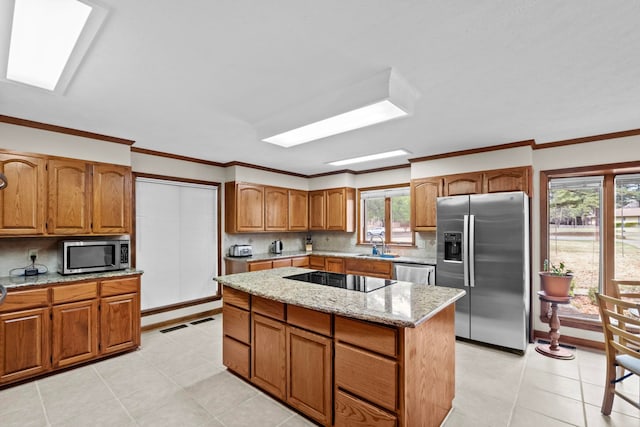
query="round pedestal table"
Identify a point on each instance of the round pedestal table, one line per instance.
(553, 349)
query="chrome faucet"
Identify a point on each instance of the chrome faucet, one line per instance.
(384, 246)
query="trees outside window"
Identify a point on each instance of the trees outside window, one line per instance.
(385, 214)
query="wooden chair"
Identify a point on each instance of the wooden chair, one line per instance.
(616, 322)
(626, 290)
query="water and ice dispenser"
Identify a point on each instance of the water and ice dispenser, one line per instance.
(453, 246)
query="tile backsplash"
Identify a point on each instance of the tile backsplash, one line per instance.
(14, 253)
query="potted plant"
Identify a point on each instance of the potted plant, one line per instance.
(555, 280)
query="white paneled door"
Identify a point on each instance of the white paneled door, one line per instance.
(176, 241)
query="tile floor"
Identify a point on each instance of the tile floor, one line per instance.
(177, 379)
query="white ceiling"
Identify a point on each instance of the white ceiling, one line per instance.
(196, 78)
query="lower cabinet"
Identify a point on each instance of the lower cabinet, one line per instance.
(309, 367)
(24, 344)
(268, 355)
(75, 332)
(62, 325)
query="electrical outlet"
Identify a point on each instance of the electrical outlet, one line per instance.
(32, 252)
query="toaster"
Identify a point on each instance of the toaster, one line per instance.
(240, 250)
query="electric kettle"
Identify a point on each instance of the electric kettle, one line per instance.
(276, 247)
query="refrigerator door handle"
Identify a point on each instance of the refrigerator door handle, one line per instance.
(465, 250)
(472, 252)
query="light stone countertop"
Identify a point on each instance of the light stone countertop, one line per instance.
(11, 282)
(290, 254)
(401, 304)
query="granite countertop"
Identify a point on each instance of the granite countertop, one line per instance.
(290, 254)
(401, 304)
(11, 282)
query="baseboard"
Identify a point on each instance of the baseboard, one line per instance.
(182, 319)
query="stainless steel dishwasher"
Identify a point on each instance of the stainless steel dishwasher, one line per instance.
(416, 273)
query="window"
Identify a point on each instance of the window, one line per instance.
(591, 222)
(385, 215)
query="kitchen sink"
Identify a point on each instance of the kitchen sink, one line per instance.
(379, 256)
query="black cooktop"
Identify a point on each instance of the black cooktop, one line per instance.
(344, 281)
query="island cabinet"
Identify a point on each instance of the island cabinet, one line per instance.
(22, 202)
(61, 325)
(340, 371)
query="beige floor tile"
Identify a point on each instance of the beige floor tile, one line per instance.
(194, 376)
(69, 393)
(593, 395)
(296, 421)
(616, 419)
(257, 411)
(178, 410)
(104, 414)
(523, 417)
(558, 384)
(565, 368)
(553, 405)
(473, 404)
(22, 417)
(23, 396)
(221, 393)
(147, 398)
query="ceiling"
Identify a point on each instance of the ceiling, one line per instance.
(197, 78)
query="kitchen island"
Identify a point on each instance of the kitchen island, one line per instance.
(343, 357)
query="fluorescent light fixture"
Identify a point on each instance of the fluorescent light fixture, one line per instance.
(44, 34)
(370, 157)
(355, 119)
(381, 97)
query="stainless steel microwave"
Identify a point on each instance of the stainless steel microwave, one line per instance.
(89, 256)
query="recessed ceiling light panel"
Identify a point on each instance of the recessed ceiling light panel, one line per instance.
(370, 157)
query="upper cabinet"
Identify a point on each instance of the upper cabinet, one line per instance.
(424, 193)
(317, 210)
(244, 207)
(276, 209)
(69, 197)
(22, 201)
(57, 196)
(298, 210)
(111, 199)
(332, 209)
(500, 180)
(465, 183)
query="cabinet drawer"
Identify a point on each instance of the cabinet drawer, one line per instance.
(316, 262)
(268, 307)
(378, 338)
(369, 267)
(236, 323)
(300, 261)
(356, 413)
(260, 265)
(25, 299)
(236, 356)
(367, 375)
(311, 320)
(235, 297)
(77, 292)
(119, 286)
(277, 263)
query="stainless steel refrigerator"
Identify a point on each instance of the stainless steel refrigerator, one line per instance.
(483, 248)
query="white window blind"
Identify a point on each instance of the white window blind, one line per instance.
(176, 241)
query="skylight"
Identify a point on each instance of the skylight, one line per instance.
(43, 36)
(370, 157)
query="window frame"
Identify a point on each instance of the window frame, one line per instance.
(387, 216)
(609, 172)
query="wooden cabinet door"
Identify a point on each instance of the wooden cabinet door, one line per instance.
(317, 262)
(309, 374)
(24, 344)
(464, 183)
(249, 207)
(298, 210)
(75, 332)
(111, 199)
(335, 265)
(317, 210)
(268, 355)
(22, 201)
(69, 197)
(119, 323)
(276, 205)
(336, 205)
(424, 195)
(501, 180)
